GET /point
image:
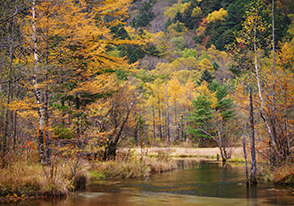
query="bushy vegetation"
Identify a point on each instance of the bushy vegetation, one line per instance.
(283, 175)
(24, 176)
(130, 164)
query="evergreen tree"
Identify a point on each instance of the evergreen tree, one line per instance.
(206, 76)
(146, 15)
(224, 105)
(178, 17)
(200, 117)
(211, 115)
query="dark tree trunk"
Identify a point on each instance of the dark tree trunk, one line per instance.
(136, 133)
(6, 122)
(110, 150)
(245, 157)
(252, 141)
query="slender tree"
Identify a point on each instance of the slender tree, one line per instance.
(252, 141)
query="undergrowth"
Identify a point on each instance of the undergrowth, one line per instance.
(25, 176)
(283, 175)
(130, 164)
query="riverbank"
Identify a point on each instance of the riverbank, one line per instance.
(24, 177)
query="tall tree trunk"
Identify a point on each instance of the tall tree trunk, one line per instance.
(245, 156)
(286, 127)
(274, 137)
(261, 99)
(260, 93)
(153, 120)
(6, 121)
(220, 145)
(41, 134)
(14, 120)
(252, 142)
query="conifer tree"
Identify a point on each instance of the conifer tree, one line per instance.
(206, 76)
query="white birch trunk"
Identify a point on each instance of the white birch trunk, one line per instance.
(259, 91)
(41, 136)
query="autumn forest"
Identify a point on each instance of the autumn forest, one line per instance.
(82, 79)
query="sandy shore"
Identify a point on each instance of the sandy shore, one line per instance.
(237, 152)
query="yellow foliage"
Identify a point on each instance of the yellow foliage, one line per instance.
(185, 6)
(172, 32)
(241, 99)
(171, 12)
(197, 12)
(174, 89)
(217, 15)
(285, 57)
(204, 90)
(26, 104)
(189, 94)
(205, 64)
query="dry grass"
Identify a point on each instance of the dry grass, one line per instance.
(131, 164)
(283, 175)
(29, 178)
(237, 152)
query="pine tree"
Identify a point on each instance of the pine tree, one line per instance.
(206, 76)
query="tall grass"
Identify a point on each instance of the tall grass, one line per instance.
(130, 164)
(23, 177)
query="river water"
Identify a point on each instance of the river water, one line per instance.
(194, 183)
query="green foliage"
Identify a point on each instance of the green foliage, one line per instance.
(146, 15)
(236, 12)
(178, 27)
(119, 32)
(215, 66)
(178, 18)
(224, 104)
(179, 42)
(60, 132)
(205, 117)
(200, 117)
(210, 6)
(190, 53)
(168, 23)
(206, 76)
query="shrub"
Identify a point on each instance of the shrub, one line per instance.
(283, 175)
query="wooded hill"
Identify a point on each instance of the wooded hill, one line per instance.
(86, 76)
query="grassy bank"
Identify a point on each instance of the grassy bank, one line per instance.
(23, 176)
(131, 164)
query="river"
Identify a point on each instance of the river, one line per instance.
(194, 183)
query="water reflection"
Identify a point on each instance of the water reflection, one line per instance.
(194, 183)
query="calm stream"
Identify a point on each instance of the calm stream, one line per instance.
(194, 183)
